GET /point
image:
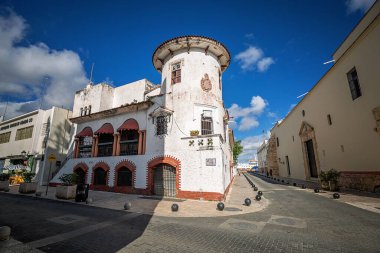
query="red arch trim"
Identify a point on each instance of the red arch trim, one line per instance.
(83, 166)
(132, 167)
(167, 160)
(106, 168)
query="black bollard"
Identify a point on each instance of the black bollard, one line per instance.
(260, 193)
(336, 195)
(294, 184)
(258, 197)
(175, 208)
(127, 205)
(255, 188)
(220, 206)
(247, 202)
(303, 187)
(316, 190)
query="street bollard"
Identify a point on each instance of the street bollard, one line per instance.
(220, 206)
(127, 205)
(175, 208)
(255, 188)
(258, 197)
(316, 190)
(247, 202)
(336, 195)
(5, 232)
(89, 201)
(260, 193)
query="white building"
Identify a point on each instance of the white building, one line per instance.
(262, 156)
(26, 140)
(170, 139)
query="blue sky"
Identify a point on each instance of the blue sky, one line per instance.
(278, 49)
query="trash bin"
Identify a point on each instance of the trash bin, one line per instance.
(82, 192)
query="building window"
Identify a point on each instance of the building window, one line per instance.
(206, 123)
(105, 145)
(278, 142)
(4, 138)
(24, 133)
(85, 146)
(353, 82)
(329, 119)
(162, 125)
(303, 113)
(124, 177)
(176, 72)
(287, 164)
(85, 110)
(293, 138)
(89, 109)
(129, 141)
(100, 176)
(220, 80)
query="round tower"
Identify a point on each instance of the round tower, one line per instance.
(191, 68)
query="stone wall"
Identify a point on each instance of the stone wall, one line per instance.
(272, 156)
(363, 181)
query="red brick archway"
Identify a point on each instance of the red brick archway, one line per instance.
(167, 160)
(106, 168)
(132, 167)
(84, 167)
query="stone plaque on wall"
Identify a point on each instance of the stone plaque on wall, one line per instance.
(210, 161)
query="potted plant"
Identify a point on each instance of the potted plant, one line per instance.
(28, 186)
(324, 180)
(4, 182)
(67, 189)
(333, 176)
(194, 133)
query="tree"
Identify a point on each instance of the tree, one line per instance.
(237, 150)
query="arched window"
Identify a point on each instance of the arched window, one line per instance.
(81, 175)
(100, 176)
(89, 109)
(124, 177)
(105, 142)
(129, 137)
(85, 142)
(85, 110)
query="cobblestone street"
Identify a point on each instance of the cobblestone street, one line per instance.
(296, 220)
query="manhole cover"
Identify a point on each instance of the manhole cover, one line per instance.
(243, 226)
(232, 209)
(286, 221)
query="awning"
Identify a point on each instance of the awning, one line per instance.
(87, 131)
(107, 128)
(129, 124)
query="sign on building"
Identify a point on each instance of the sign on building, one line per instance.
(210, 161)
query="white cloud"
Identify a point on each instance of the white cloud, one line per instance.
(249, 35)
(249, 57)
(247, 123)
(264, 64)
(247, 115)
(250, 145)
(26, 72)
(272, 115)
(358, 5)
(253, 58)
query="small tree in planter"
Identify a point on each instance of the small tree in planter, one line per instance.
(324, 180)
(28, 186)
(333, 176)
(67, 189)
(4, 182)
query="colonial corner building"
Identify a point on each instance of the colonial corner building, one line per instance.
(170, 139)
(337, 124)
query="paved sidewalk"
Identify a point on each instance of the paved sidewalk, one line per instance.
(234, 204)
(364, 200)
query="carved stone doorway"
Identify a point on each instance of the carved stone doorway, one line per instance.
(310, 151)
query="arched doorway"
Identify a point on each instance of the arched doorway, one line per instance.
(100, 177)
(81, 175)
(164, 180)
(124, 177)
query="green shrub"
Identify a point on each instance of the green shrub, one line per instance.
(69, 179)
(28, 176)
(331, 175)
